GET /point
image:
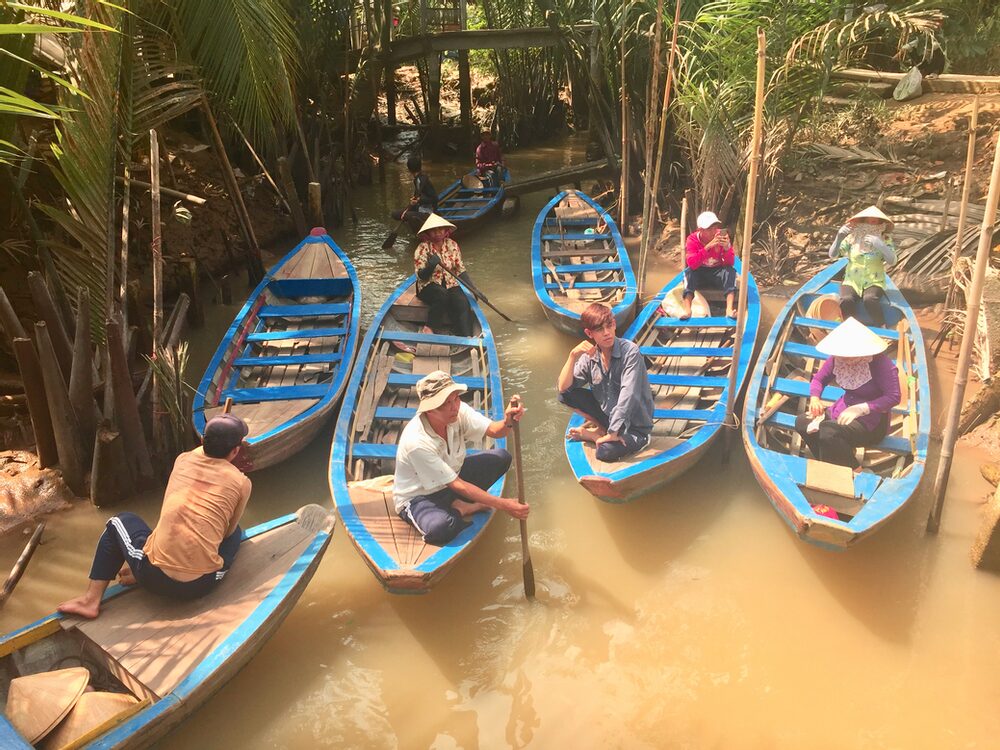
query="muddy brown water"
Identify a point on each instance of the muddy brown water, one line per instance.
(691, 618)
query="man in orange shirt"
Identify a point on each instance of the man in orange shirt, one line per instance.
(198, 534)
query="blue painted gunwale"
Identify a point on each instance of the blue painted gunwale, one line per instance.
(197, 686)
(690, 450)
(378, 559)
(347, 351)
(781, 475)
(564, 318)
(470, 216)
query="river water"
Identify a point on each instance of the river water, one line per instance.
(691, 618)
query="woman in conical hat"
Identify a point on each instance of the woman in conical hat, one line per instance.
(857, 362)
(866, 240)
(440, 291)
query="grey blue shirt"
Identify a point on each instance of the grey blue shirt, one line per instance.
(622, 390)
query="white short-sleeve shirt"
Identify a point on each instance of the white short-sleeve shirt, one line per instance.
(425, 463)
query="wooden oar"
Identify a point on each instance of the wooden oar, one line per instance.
(476, 293)
(527, 569)
(552, 269)
(391, 239)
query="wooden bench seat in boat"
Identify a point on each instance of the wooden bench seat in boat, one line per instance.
(696, 323)
(888, 444)
(829, 325)
(277, 360)
(806, 351)
(591, 285)
(304, 311)
(408, 380)
(585, 267)
(688, 381)
(686, 351)
(295, 333)
(417, 337)
(800, 388)
(400, 413)
(275, 393)
(309, 287)
(575, 237)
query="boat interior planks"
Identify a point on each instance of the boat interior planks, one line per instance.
(469, 207)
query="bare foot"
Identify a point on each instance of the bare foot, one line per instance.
(427, 329)
(82, 606)
(467, 508)
(586, 434)
(125, 577)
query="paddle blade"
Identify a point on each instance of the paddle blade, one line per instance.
(528, 571)
(390, 240)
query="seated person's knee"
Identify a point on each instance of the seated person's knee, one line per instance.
(444, 531)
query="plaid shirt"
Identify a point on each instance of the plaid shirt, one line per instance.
(451, 258)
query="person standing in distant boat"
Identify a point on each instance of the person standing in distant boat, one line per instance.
(436, 486)
(489, 160)
(604, 379)
(710, 263)
(437, 254)
(198, 534)
(866, 241)
(424, 200)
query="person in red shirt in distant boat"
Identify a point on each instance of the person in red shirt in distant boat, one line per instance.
(489, 159)
(710, 262)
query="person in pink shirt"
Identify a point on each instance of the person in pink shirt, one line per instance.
(709, 263)
(489, 159)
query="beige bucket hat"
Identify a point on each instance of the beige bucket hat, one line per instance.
(852, 339)
(433, 389)
(90, 712)
(433, 222)
(872, 212)
(37, 702)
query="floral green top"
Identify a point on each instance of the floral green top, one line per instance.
(867, 256)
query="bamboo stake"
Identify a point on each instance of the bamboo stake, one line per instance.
(973, 301)
(654, 90)
(9, 320)
(623, 194)
(682, 240)
(315, 204)
(649, 229)
(123, 280)
(292, 196)
(81, 380)
(22, 564)
(48, 313)
(748, 216)
(195, 199)
(963, 209)
(126, 409)
(157, 252)
(260, 163)
(110, 480)
(64, 425)
(948, 188)
(38, 406)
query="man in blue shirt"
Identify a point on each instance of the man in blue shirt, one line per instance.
(605, 380)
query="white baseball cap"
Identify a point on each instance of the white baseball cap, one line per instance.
(707, 219)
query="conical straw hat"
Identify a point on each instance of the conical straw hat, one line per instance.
(472, 182)
(433, 222)
(872, 212)
(826, 307)
(92, 710)
(37, 702)
(852, 339)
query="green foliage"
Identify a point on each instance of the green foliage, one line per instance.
(972, 37)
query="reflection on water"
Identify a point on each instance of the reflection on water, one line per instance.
(689, 619)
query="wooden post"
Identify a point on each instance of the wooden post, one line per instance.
(948, 186)
(305, 148)
(110, 479)
(292, 196)
(122, 301)
(682, 240)
(748, 215)
(22, 564)
(190, 283)
(651, 102)
(434, 91)
(973, 300)
(315, 205)
(389, 67)
(81, 380)
(38, 406)
(48, 313)
(9, 320)
(127, 410)
(64, 425)
(970, 158)
(157, 254)
(465, 92)
(623, 189)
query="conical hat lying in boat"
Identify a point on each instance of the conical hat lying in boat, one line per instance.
(37, 702)
(90, 711)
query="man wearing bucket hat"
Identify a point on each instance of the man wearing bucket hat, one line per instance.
(436, 485)
(857, 361)
(866, 241)
(197, 536)
(424, 200)
(440, 291)
(709, 261)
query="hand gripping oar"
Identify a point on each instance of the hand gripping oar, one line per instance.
(476, 293)
(527, 570)
(391, 239)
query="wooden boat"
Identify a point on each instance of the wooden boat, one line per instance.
(286, 357)
(173, 655)
(779, 392)
(571, 269)
(379, 400)
(688, 363)
(468, 204)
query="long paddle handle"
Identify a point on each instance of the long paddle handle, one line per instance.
(476, 293)
(527, 569)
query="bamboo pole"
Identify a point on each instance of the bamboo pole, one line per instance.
(9, 320)
(157, 253)
(973, 301)
(650, 228)
(292, 196)
(64, 425)
(623, 194)
(260, 163)
(47, 312)
(22, 564)
(653, 97)
(38, 406)
(963, 209)
(748, 216)
(682, 231)
(195, 199)
(127, 410)
(81, 380)
(948, 189)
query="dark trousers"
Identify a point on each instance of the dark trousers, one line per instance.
(583, 400)
(433, 516)
(447, 304)
(415, 217)
(122, 541)
(709, 277)
(871, 299)
(835, 443)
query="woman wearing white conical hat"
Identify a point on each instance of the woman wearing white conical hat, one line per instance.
(437, 254)
(866, 241)
(857, 362)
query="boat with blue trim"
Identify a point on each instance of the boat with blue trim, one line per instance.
(824, 504)
(164, 658)
(285, 359)
(578, 257)
(380, 399)
(688, 362)
(468, 202)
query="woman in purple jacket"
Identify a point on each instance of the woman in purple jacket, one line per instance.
(857, 362)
